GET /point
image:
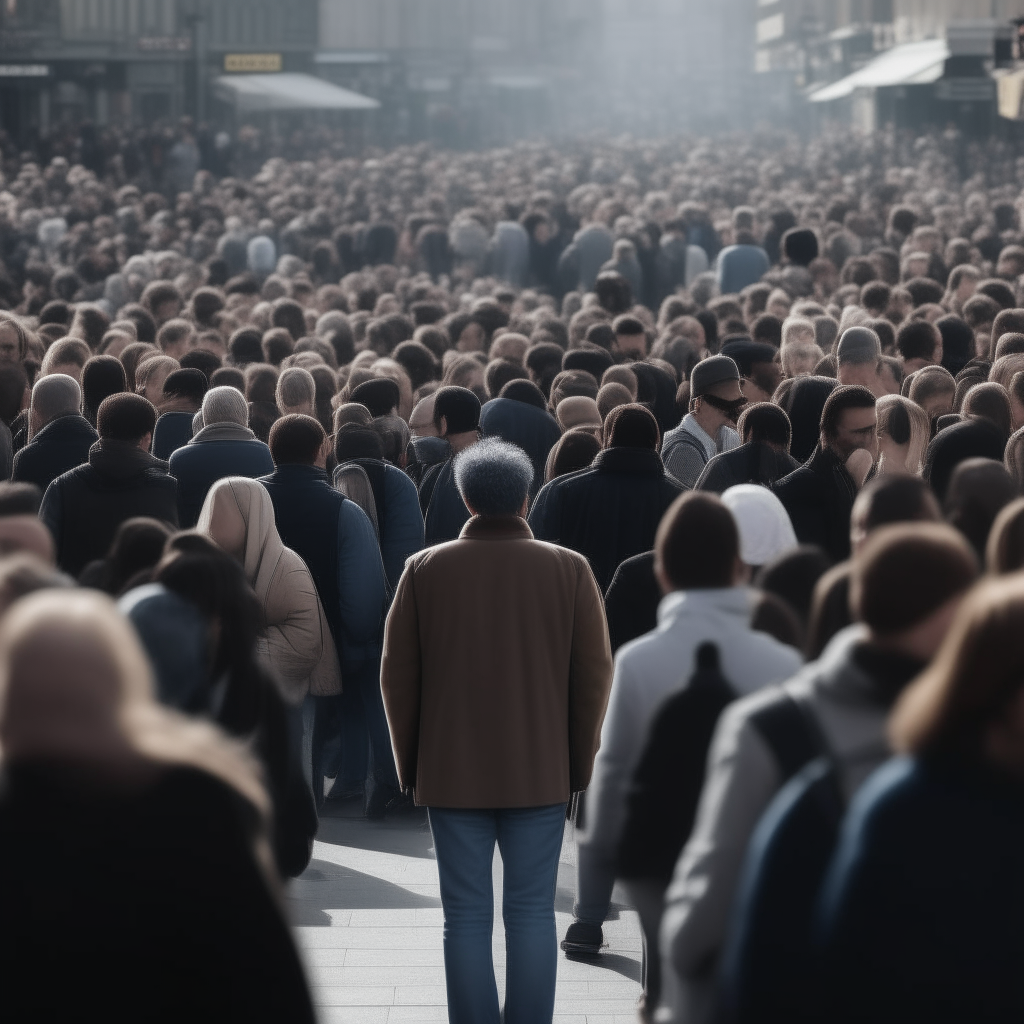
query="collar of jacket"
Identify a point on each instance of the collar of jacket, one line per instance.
(297, 471)
(121, 459)
(223, 432)
(737, 602)
(636, 461)
(496, 528)
(71, 423)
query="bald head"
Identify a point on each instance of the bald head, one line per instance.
(53, 396)
(421, 422)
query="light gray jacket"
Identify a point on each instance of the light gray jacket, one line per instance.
(742, 780)
(650, 669)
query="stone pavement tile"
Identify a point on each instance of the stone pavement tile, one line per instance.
(375, 977)
(597, 1006)
(427, 957)
(354, 995)
(418, 1015)
(353, 1015)
(421, 995)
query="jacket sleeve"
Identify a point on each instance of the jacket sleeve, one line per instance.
(405, 525)
(293, 644)
(400, 679)
(51, 512)
(590, 679)
(742, 779)
(362, 589)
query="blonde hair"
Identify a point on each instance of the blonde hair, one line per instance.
(800, 357)
(889, 408)
(115, 683)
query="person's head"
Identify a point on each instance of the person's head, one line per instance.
(456, 413)
(13, 338)
(611, 396)
(101, 376)
(238, 516)
(978, 490)
(792, 577)
(356, 441)
(225, 405)
(891, 499)
(126, 418)
(765, 423)
(136, 548)
(494, 478)
(573, 451)
(989, 401)
(66, 356)
(799, 358)
(697, 546)
(920, 344)
(175, 338)
(1004, 552)
(296, 392)
(579, 413)
(245, 346)
(631, 340)
(421, 422)
(52, 397)
(298, 440)
(907, 583)
(716, 397)
(19, 498)
(849, 422)
(857, 356)
(967, 705)
(394, 435)
(150, 375)
(381, 395)
(903, 435)
(933, 389)
(970, 439)
(632, 426)
(26, 533)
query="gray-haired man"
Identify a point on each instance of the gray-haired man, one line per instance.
(496, 674)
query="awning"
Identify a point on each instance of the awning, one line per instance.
(1010, 85)
(264, 93)
(911, 64)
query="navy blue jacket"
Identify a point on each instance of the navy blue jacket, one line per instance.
(61, 445)
(532, 429)
(200, 464)
(335, 539)
(173, 431)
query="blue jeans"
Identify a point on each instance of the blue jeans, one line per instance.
(530, 840)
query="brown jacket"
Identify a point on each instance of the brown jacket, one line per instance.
(496, 670)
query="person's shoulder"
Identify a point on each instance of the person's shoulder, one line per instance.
(794, 483)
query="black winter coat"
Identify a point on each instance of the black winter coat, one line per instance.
(61, 445)
(819, 499)
(84, 507)
(752, 463)
(609, 512)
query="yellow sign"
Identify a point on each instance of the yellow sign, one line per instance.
(252, 62)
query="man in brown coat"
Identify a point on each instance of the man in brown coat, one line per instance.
(496, 674)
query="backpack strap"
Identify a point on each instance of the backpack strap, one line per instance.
(791, 732)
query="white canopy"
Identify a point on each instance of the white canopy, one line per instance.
(288, 91)
(910, 64)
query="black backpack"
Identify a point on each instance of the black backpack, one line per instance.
(666, 787)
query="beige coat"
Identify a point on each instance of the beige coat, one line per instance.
(296, 644)
(496, 670)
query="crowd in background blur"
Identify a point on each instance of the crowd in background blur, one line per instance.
(771, 395)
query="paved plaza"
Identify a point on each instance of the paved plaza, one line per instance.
(367, 916)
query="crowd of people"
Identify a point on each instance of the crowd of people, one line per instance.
(672, 489)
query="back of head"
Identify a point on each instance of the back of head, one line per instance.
(245, 346)
(892, 499)
(459, 408)
(989, 401)
(188, 384)
(632, 426)
(957, 342)
(354, 441)
(859, 346)
(763, 523)
(260, 383)
(394, 435)
(296, 389)
(976, 438)
(524, 391)
(803, 404)
(69, 352)
(101, 376)
(225, 405)
(296, 440)
(19, 498)
(793, 576)
(907, 572)
(978, 490)
(766, 423)
(697, 545)
(380, 395)
(494, 477)
(573, 451)
(1004, 552)
(56, 395)
(125, 417)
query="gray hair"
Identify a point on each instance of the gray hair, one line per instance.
(225, 404)
(296, 389)
(394, 434)
(494, 477)
(55, 395)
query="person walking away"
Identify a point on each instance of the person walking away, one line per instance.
(495, 677)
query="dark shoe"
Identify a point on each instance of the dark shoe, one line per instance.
(583, 940)
(377, 799)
